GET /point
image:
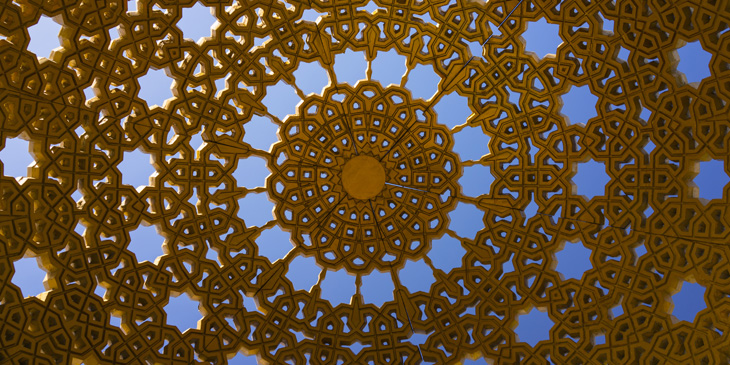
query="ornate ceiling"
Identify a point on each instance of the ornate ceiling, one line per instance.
(363, 178)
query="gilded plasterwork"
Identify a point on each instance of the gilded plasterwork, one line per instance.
(360, 224)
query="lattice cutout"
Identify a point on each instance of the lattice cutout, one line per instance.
(509, 267)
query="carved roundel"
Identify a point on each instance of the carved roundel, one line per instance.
(365, 181)
(363, 177)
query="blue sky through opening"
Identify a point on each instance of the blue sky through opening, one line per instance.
(389, 68)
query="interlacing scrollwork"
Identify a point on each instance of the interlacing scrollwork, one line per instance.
(357, 228)
(360, 222)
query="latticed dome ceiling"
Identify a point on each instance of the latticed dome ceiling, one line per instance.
(364, 178)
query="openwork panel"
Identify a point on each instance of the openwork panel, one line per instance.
(364, 179)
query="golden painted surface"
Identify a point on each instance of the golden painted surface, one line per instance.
(363, 177)
(470, 311)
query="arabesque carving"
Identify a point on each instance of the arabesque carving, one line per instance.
(360, 224)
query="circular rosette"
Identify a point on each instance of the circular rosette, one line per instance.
(363, 177)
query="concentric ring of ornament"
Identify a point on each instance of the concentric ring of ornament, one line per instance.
(471, 311)
(354, 219)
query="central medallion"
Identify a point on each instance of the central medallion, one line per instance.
(363, 177)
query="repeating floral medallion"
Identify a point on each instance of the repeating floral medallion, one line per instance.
(365, 178)
(366, 173)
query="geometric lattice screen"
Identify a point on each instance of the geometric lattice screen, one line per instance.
(365, 180)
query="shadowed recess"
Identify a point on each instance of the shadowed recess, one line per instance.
(538, 182)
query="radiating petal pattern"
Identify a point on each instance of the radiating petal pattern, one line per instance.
(363, 178)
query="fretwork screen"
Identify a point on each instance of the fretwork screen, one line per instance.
(368, 181)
